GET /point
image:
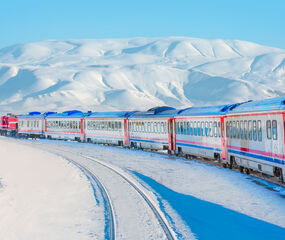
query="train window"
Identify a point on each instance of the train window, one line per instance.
(148, 127)
(154, 127)
(177, 128)
(120, 125)
(215, 129)
(245, 129)
(254, 130)
(188, 128)
(274, 129)
(259, 127)
(228, 129)
(268, 129)
(237, 131)
(185, 128)
(206, 129)
(191, 128)
(198, 129)
(210, 129)
(116, 126)
(241, 129)
(113, 126)
(234, 129)
(88, 125)
(219, 129)
(231, 130)
(202, 128)
(181, 127)
(249, 130)
(195, 128)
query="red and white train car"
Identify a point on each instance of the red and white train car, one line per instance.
(153, 129)
(255, 136)
(200, 131)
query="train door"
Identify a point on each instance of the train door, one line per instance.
(171, 135)
(126, 132)
(223, 137)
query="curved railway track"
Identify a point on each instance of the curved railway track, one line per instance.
(169, 233)
(109, 213)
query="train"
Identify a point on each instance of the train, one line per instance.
(249, 135)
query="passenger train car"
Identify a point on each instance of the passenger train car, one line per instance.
(200, 131)
(31, 125)
(247, 135)
(255, 136)
(153, 129)
(67, 125)
(107, 127)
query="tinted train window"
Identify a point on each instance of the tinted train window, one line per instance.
(185, 128)
(237, 129)
(241, 129)
(274, 129)
(254, 131)
(195, 128)
(191, 128)
(268, 129)
(231, 130)
(188, 128)
(228, 129)
(210, 129)
(206, 129)
(202, 128)
(234, 129)
(249, 130)
(198, 129)
(245, 130)
(259, 130)
(215, 129)
(219, 129)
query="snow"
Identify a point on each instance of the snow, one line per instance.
(43, 196)
(194, 195)
(136, 73)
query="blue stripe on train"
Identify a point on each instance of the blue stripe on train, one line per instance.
(262, 157)
(198, 146)
(150, 141)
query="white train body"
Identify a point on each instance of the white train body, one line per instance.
(32, 125)
(255, 139)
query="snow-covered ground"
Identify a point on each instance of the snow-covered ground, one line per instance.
(197, 198)
(43, 196)
(137, 73)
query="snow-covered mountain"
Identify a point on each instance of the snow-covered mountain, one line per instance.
(137, 73)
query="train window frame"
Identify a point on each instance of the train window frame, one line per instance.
(245, 129)
(234, 129)
(210, 129)
(259, 131)
(188, 128)
(250, 129)
(215, 128)
(198, 128)
(274, 130)
(237, 129)
(269, 129)
(195, 128)
(241, 129)
(254, 128)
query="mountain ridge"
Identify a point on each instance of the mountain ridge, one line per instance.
(136, 73)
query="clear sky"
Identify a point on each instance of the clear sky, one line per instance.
(260, 21)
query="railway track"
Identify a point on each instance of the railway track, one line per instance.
(158, 214)
(169, 233)
(109, 213)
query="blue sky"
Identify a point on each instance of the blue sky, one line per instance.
(260, 21)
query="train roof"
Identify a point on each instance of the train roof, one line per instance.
(208, 110)
(122, 114)
(68, 114)
(32, 115)
(269, 104)
(159, 112)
